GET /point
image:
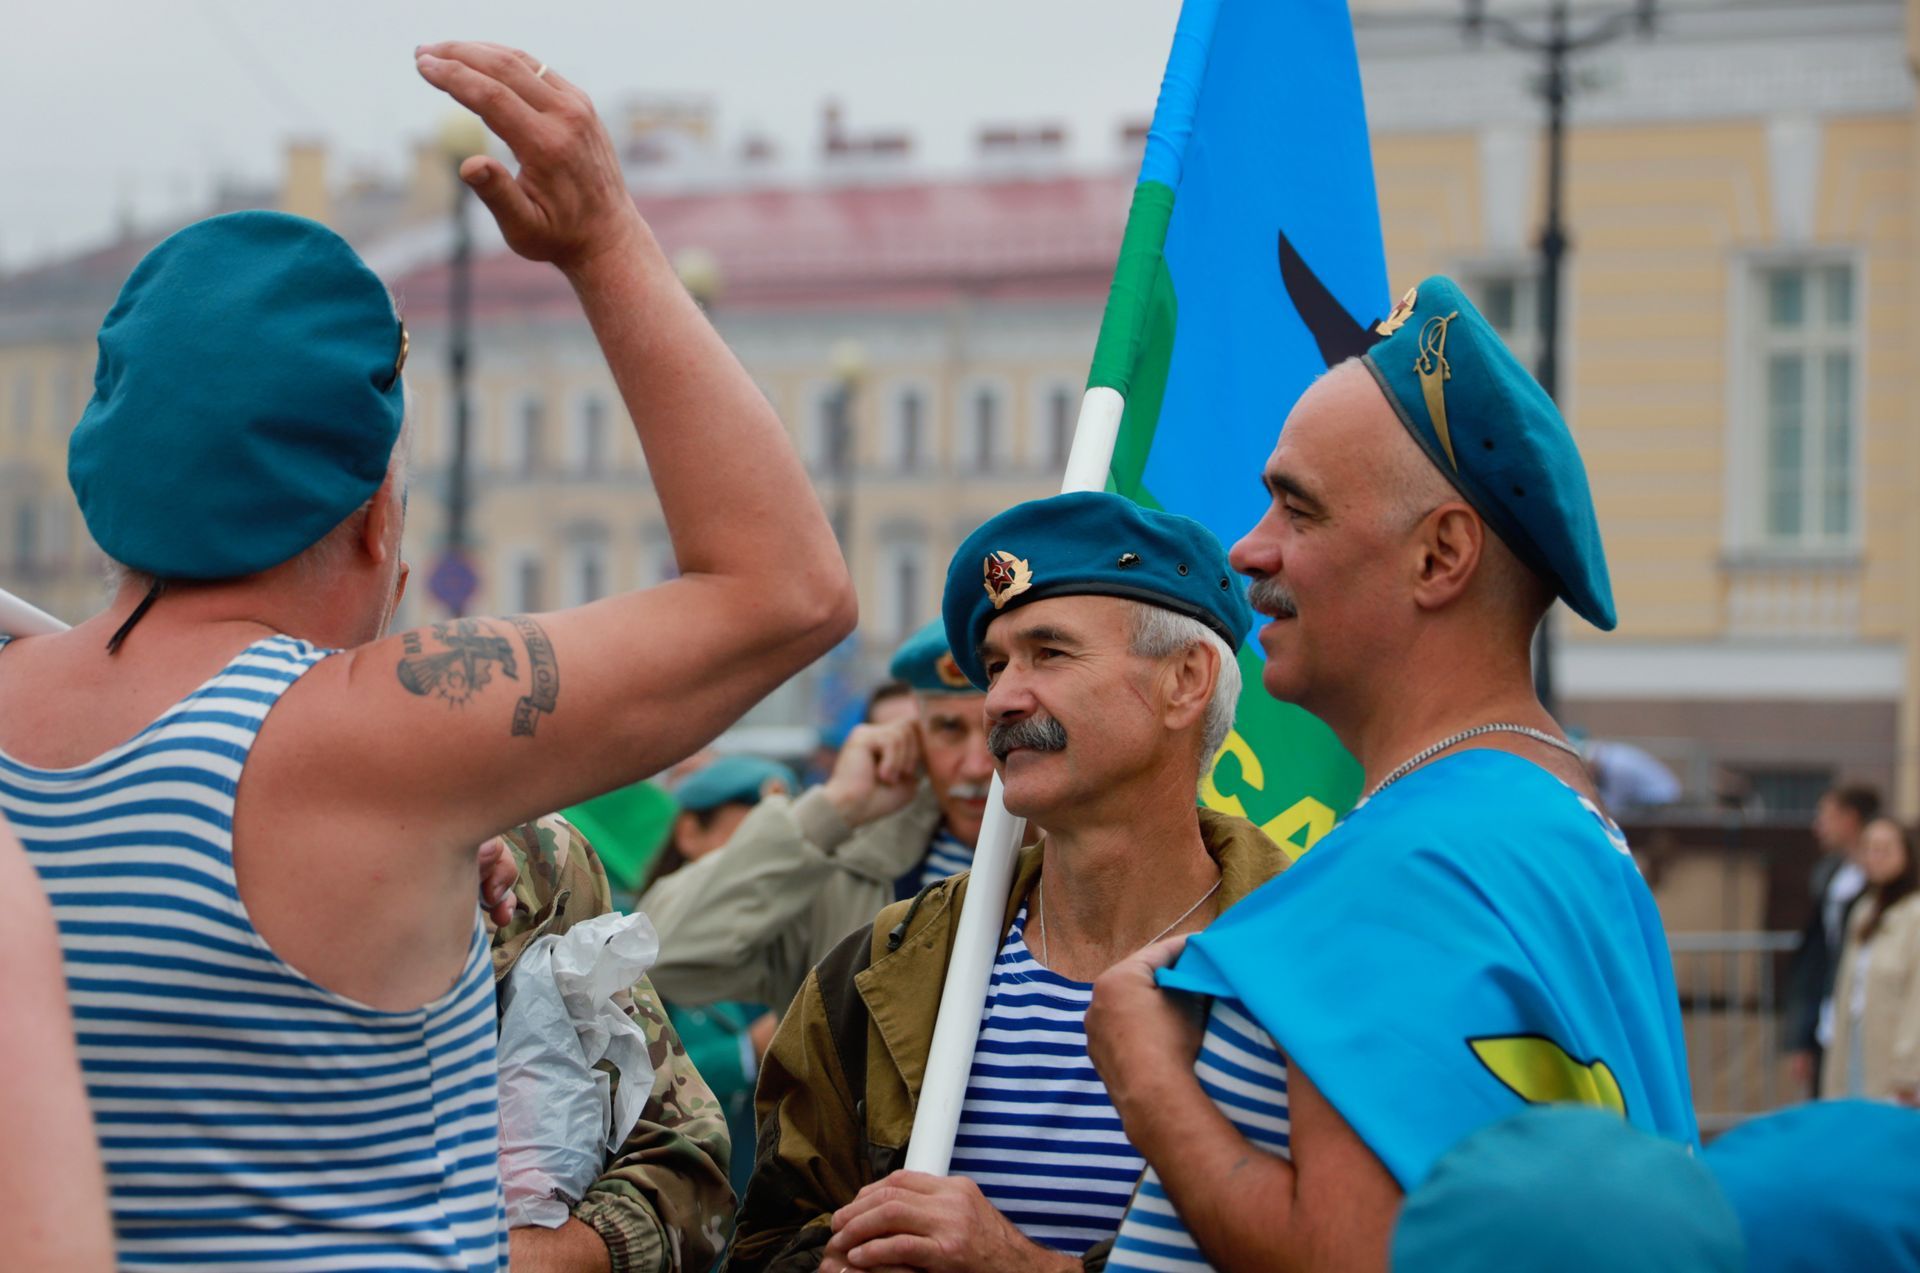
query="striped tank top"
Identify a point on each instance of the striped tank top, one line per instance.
(1242, 1070)
(1038, 1132)
(248, 1118)
(947, 855)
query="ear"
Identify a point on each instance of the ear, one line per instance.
(1448, 544)
(380, 536)
(1188, 680)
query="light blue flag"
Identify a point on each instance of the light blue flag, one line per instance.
(1251, 263)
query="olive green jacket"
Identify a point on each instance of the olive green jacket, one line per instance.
(662, 1204)
(748, 920)
(840, 1084)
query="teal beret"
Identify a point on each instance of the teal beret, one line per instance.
(1569, 1188)
(1089, 543)
(247, 399)
(1494, 433)
(733, 780)
(1830, 1185)
(924, 663)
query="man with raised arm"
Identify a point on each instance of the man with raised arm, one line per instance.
(254, 812)
(1102, 634)
(1475, 936)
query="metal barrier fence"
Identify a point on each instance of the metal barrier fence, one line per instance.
(1730, 1012)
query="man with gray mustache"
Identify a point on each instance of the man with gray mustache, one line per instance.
(901, 810)
(1104, 636)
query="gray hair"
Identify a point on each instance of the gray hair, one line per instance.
(1159, 633)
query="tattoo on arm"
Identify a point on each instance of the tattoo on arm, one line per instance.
(464, 656)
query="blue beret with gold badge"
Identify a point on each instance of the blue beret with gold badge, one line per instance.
(1493, 432)
(1088, 543)
(924, 663)
(246, 399)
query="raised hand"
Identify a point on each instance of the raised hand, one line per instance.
(877, 772)
(569, 201)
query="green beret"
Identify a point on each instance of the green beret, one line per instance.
(1088, 543)
(1569, 1188)
(924, 663)
(246, 399)
(1494, 433)
(734, 780)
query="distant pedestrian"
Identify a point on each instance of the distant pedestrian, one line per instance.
(1839, 818)
(1875, 1049)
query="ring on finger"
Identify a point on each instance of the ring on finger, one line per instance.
(541, 74)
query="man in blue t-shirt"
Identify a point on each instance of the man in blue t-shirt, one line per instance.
(1474, 937)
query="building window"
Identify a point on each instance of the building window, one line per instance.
(529, 584)
(590, 435)
(985, 417)
(1509, 299)
(907, 444)
(1059, 414)
(903, 575)
(1805, 359)
(587, 572)
(526, 447)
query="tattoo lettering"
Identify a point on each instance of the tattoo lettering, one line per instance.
(543, 671)
(462, 668)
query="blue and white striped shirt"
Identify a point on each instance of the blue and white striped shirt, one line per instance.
(1244, 1073)
(1038, 1132)
(946, 856)
(249, 1118)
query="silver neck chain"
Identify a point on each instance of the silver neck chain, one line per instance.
(1041, 889)
(1454, 740)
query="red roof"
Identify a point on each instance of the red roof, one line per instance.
(856, 246)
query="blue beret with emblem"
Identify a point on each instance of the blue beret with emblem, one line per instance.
(1088, 543)
(924, 663)
(246, 399)
(734, 780)
(1495, 434)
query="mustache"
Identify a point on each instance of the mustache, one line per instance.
(1270, 596)
(1036, 733)
(970, 790)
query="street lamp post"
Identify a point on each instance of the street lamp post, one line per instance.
(454, 580)
(1555, 47)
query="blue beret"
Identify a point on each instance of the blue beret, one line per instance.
(1569, 1188)
(924, 662)
(1830, 1185)
(1495, 434)
(247, 399)
(1089, 543)
(733, 780)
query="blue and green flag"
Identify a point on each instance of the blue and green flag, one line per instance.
(1253, 239)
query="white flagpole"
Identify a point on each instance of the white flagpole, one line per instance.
(17, 618)
(976, 942)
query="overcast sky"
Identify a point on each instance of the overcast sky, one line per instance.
(111, 103)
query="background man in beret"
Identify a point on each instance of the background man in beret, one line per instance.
(661, 1203)
(243, 460)
(901, 810)
(1475, 936)
(1103, 634)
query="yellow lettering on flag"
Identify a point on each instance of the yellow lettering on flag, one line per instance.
(1295, 829)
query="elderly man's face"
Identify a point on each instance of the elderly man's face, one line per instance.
(953, 743)
(1071, 714)
(1328, 559)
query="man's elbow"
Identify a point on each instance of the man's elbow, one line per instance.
(825, 611)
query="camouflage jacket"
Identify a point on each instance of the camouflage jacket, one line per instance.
(663, 1204)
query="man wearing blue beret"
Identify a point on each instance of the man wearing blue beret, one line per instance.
(256, 813)
(901, 810)
(1103, 634)
(1475, 936)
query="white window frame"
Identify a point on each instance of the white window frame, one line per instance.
(516, 602)
(1524, 338)
(517, 458)
(1747, 488)
(579, 457)
(966, 450)
(579, 554)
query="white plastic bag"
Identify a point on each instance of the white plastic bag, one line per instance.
(558, 1120)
